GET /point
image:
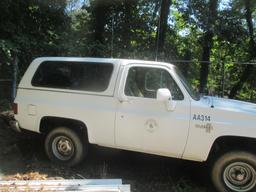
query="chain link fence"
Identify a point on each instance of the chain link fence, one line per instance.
(222, 77)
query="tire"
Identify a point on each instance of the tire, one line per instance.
(235, 172)
(64, 146)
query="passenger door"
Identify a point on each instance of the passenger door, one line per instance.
(145, 124)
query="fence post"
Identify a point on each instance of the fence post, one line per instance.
(222, 78)
(15, 73)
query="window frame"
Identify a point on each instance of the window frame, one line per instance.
(149, 66)
(109, 91)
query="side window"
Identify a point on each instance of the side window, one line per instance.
(145, 81)
(73, 75)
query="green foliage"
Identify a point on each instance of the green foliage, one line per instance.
(29, 29)
(128, 29)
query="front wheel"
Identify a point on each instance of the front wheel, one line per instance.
(235, 172)
(64, 146)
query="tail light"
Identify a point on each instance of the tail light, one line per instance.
(15, 108)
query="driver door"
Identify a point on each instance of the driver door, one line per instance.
(145, 124)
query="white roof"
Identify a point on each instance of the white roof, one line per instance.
(115, 61)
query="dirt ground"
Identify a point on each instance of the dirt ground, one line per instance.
(24, 153)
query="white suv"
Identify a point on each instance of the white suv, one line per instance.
(136, 105)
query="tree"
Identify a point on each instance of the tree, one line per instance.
(163, 24)
(247, 72)
(30, 29)
(203, 14)
(207, 42)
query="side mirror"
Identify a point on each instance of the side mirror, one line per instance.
(165, 96)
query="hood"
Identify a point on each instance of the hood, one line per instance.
(231, 104)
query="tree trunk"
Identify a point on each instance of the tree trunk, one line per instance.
(163, 23)
(99, 12)
(205, 60)
(99, 23)
(207, 45)
(247, 72)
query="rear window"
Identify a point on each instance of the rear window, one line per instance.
(84, 76)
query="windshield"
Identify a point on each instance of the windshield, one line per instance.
(187, 86)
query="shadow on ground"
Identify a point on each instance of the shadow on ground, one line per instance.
(21, 153)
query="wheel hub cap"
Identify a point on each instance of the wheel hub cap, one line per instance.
(63, 148)
(240, 176)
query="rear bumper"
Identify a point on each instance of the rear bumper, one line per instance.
(15, 125)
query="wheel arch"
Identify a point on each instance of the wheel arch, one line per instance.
(48, 123)
(227, 143)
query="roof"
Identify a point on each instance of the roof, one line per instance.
(116, 61)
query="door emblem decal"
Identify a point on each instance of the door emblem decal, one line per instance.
(151, 125)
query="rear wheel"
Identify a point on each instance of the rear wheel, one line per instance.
(63, 145)
(235, 171)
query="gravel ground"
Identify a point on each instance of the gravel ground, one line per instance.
(24, 153)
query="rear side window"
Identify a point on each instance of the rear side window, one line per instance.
(84, 76)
